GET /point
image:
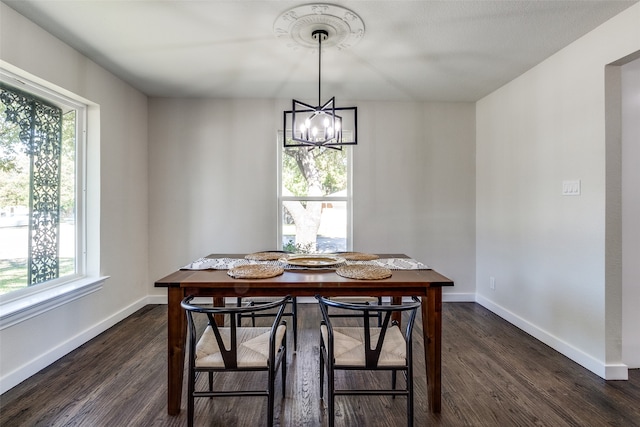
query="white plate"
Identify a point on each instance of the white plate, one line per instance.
(312, 260)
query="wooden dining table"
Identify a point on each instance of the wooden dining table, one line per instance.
(425, 283)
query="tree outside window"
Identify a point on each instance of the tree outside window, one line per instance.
(315, 199)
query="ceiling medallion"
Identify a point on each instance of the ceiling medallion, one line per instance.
(344, 27)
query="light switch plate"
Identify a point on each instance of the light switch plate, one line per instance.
(571, 187)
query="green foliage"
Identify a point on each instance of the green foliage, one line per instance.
(15, 165)
(330, 164)
(68, 164)
(334, 165)
(298, 248)
(292, 177)
(10, 150)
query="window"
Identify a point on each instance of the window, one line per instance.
(314, 199)
(42, 227)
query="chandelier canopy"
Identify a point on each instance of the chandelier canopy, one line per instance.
(322, 125)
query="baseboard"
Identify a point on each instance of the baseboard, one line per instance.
(607, 372)
(458, 297)
(33, 366)
(157, 299)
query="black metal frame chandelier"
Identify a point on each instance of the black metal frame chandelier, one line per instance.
(322, 125)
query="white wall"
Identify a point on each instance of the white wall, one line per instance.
(414, 186)
(630, 80)
(213, 182)
(547, 251)
(122, 143)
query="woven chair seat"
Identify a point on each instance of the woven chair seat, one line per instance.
(253, 347)
(348, 346)
(256, 301)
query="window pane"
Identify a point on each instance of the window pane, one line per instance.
(314, 198)
(330, 236)
(37, 168)
(68, 195)
(14, 207)
(317, 172)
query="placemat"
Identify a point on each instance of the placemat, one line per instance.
(358, 256)
(365, 272)
(255, 271)
(394, 263)
(265, 256)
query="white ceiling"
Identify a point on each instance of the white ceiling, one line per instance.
(447, 50)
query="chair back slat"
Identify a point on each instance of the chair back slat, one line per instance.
(229, 355)
(372, 355)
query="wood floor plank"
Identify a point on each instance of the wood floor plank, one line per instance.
(493, 374)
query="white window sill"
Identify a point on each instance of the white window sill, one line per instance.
(28, 306)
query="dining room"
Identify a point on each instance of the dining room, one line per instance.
(472, 185)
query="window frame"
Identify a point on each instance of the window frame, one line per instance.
(348, 199)
(23, 304)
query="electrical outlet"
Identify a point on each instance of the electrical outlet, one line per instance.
(492, 283)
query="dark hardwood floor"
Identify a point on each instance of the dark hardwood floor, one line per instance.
(493, 374)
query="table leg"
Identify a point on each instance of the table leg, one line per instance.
(176, 336)
(219, 302)
(432, 333)
(396, 315)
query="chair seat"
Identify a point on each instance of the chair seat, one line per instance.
(257, 301)
(253, 347)
(348, 346)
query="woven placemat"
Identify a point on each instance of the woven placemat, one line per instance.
(255, 271)
(366, 272)
(265, 256)
(358, 256)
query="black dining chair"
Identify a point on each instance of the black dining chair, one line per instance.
(258, 301)
(216, 348)
(362, 346)
(364, 300)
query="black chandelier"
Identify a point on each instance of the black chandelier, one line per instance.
(324, 125)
